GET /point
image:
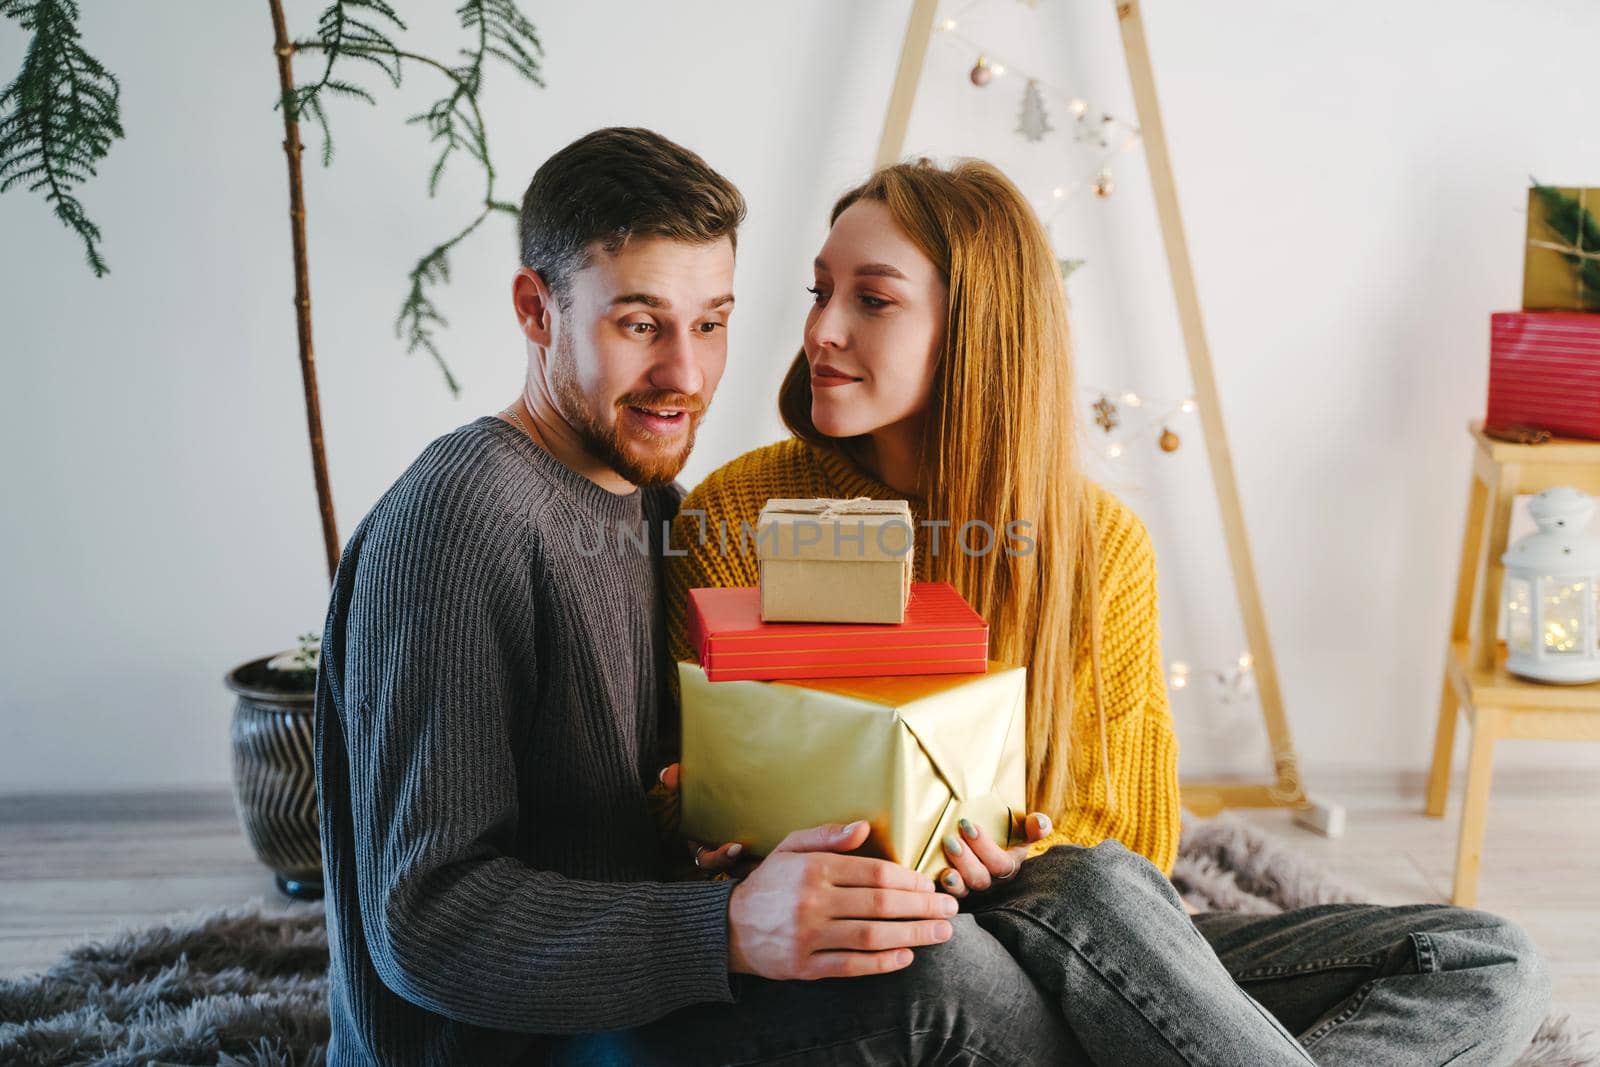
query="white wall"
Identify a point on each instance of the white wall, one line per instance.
(1352, 178)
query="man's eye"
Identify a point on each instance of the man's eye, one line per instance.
(712, 327)
(639, 329)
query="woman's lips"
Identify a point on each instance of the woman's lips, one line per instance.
(827, 377)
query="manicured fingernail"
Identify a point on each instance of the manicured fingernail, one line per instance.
(967, 829)
(734, 850)
(949, 879)
(1045, 825)
(952, 844)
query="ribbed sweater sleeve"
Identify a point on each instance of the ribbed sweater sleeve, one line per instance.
(435, 655)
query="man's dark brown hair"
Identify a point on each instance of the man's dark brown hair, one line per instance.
(617, 183)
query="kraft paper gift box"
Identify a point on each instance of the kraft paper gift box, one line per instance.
(825, 560)
(941, 634)
(911, 755)
(1561, 265)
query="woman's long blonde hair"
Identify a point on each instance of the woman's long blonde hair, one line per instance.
(1001, 440)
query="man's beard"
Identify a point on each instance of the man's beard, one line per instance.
(645, 464)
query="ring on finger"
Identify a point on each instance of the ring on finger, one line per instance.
(1016, 866)
(699, 853)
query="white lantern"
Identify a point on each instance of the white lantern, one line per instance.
(1552, 592)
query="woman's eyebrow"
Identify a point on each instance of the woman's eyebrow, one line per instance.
(879, 270)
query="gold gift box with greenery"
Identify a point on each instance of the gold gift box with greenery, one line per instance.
(1561, 268)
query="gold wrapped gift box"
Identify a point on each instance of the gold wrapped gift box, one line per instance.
(828, 560)
(1561, 266)
(911, 755)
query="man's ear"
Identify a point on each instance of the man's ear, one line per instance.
(535, 305)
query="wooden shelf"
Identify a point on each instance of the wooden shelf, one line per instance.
(1505, 690)
(1555, 450)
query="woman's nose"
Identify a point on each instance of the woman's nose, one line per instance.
(826, 329)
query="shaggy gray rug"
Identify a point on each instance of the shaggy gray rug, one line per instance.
(244, 987)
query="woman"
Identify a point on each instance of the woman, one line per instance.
(995, 421)
(936, 368)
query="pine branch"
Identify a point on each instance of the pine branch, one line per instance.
(502, 33)
(1576, 227)
(348, 30)
(455, 123)
(505, 34)
(59, 117)
(419, 314)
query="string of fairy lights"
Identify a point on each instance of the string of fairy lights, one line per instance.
(1106, 134)
(1123, 416)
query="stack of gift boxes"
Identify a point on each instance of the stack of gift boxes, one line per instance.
(839, 689)
(1544, 361)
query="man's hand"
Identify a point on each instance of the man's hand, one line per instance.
(807, 912)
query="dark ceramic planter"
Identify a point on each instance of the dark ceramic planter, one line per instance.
(274, 774)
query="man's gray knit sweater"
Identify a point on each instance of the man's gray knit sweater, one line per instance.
(487, 717)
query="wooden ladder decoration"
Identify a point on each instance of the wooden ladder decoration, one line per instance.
(1205, 797)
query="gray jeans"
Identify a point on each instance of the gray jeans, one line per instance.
(1088, 957)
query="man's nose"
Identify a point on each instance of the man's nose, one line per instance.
(677, 364)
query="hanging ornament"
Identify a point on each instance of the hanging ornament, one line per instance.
(982, 74)
(1103, 185)
(1096, 132)
(1032, 122)
(1169, 440)
(1105, 414)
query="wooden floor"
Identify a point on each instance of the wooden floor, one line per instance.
(75, 867)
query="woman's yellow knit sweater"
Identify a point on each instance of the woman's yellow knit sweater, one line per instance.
(1139, 735)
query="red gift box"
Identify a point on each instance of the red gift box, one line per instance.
(1544, 372)
(941, 634)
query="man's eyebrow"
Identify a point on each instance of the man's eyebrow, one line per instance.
(641, 298)
(725, 298)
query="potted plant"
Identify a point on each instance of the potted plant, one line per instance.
(58, 120)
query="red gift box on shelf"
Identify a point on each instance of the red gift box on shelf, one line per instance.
(1544, 372)
(941, 634)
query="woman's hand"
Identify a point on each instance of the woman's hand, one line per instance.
(976, 862)
(707, 859)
